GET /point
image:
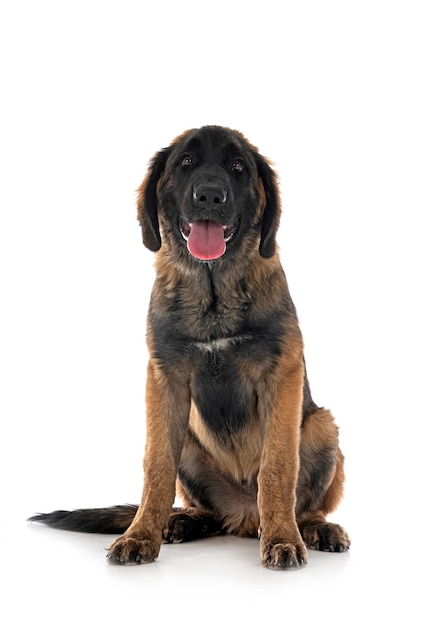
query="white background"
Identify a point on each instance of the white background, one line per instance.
(344, 98)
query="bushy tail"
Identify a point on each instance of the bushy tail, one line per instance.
(112, 520)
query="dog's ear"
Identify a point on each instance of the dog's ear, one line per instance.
(272, 207)
(147, 201)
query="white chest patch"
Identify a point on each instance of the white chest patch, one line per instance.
(222, 344)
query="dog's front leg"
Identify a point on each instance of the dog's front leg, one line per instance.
(281, 545)
(168, 403)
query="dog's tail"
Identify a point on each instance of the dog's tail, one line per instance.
(111, 520)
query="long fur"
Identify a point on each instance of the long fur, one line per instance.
(231, 422)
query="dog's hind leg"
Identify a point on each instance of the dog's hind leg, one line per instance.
(320, 483)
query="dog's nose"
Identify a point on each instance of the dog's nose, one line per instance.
(209, 194)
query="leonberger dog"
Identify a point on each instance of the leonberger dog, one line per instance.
(231, 424)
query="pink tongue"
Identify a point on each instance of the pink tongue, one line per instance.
(206, 241)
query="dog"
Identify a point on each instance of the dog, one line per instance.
(231, 424)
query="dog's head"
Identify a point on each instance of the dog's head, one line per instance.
(209, 195)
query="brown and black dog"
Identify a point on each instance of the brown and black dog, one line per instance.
(229, 410)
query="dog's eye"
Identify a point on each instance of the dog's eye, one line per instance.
(186, 160)
(237, 166)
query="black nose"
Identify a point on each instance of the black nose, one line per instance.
(209, 194)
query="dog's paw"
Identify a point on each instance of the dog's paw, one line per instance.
(188, 524)
(133, 551)
(278, 555)
(326, 537)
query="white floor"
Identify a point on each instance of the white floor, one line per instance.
(52, 577)
(55, 577)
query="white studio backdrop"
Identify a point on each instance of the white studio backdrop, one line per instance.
(343, 97)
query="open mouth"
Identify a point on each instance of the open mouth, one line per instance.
(206, 240)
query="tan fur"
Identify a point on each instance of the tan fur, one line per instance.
(261, 474)
(229, 409)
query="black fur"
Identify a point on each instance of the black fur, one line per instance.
(229, 408)
(111, 520)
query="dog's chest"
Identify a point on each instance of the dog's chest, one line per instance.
(228, 375)
(225, 399)
(225, 353)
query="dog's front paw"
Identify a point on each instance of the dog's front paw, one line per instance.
(133, 550)
(281, 555)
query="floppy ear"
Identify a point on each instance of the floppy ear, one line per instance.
(272, 209)
(147, 201)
